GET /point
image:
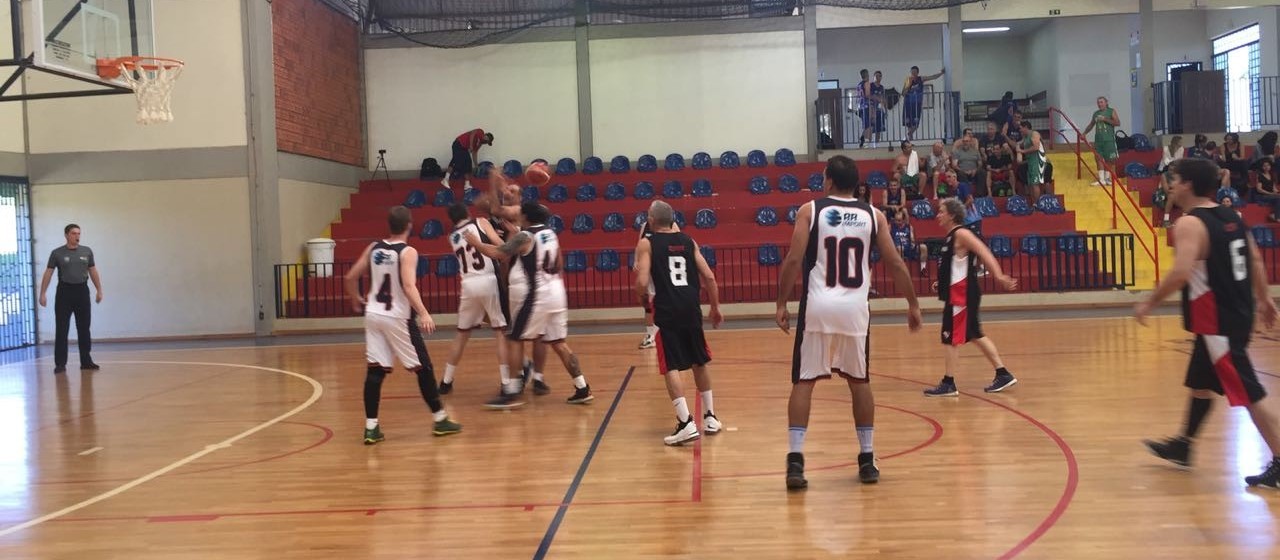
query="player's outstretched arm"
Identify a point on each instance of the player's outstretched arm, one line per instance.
(644, 254)
(409, 281)
(791, 265)
(487, 229)
(898, 268)
(517, 245)
(352, 279)
(709, 284)
(971, 243)
(1190, 238)
(1261, 288)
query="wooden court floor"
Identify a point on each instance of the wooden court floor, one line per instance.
(256, 453)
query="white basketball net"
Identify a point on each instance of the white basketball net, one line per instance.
(153, 88)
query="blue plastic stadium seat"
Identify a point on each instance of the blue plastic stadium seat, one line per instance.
(815, 182)
(556, 223)
(702, 188)
(729, 160)
(1228, 192)
(675, 162)
(615, 191)
(586, 193)
(1018, 206)
(593, 166)
(767, 217)
(529, 194)
(986, 207)
(788, 183)
(1035, 245)
(877, 180)
(784, 158)
(431, 229)
(1049, 204)
(583, 223)
(678, 218)
(1071, 243)
(482, 170)
(705, 219)
(557, 193)
(613, 223)
(575, 261)
(447, 268)
(875, 255)
(641, 218)
(444, 197)
(644, 191)
(1136, 170)
(768, 255)
(1142, 143)
(608, 261)
(1264, 236)
(647, 164)
(566, 166)
(922, 210)
(620, 164)
(672, 189)
(756, 158)
(791, 214)
(701, 160)
(708, 254)
(1001, 246)
(470, 196)
(424, 266)
(759, 185)
(512, 168)
(416, 199)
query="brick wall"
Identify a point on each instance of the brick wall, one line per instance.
(317, 69)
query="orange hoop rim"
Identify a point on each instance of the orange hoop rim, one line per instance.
(109, 68)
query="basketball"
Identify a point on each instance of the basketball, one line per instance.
(537, 174)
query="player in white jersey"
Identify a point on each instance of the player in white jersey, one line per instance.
(833, 239)
(539, 303)
(394, 317)
(480, 291)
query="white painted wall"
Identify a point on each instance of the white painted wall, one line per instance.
(1092, 60)
(708, 93)
(1221, 22)
(174, 256)
(1180, 37)
(1041, 71)
(306, 210)
(994, 65)
(892, 50)
(11, 134)
(420, 99)
(208, 100)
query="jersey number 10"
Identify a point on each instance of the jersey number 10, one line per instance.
(839, 261)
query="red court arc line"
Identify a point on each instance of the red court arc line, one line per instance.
(327, 435)
(933, 438)
(131, 401)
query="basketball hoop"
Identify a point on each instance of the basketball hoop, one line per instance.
(150, 78)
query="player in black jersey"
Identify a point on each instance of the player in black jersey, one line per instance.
(1221, 274)
(678, 271)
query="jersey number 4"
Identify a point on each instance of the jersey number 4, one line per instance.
(384, 292)
(839, 261)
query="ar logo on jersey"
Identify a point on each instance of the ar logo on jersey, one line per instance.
(835, 217)
(457, 237)
(380, 257)
(545, 237)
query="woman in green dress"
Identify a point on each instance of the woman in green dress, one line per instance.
(1105, 120)
(1033, 155)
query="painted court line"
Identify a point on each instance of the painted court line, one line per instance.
(89, 451)
(316, 391)
(582, 471)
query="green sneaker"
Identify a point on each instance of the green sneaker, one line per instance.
(373, 436)
(446, 427)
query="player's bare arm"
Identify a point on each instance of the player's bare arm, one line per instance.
(1261, 291)
(791, 265)
(709, 284)
(644, 255)
(971, 243)
(409, 281)
(1190, 239)
(352, 279)
(517, 245)
(898, 268)
(487, 229)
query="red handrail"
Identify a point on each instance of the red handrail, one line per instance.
(1153, 250)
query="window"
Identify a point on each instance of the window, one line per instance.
(1171, 69)
(1238, 55)
(17, 307)
(828, 84)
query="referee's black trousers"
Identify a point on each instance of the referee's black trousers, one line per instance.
(71, 299)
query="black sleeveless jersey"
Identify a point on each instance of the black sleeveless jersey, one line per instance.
(676, 283)
(1218, 298)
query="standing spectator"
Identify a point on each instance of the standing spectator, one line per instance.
(906, 169)
(1105, 120)
(868, 108)
(1004, 114)
(76, 267)
(999, 171)
(966, 160)
(878, 100)
(1032, 151)
(465, 149)
(939, 164)
(1266, 148)
(913, 99)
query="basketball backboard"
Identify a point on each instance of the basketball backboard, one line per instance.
(72, 35)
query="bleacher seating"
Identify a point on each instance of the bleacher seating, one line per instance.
(701, 188)
(877, 180)
(788, 183)
(759, 185)
(586, 193)
(922, 210)
(557, 193)
(583, 224)
(608, 261)
(729, 160)
(613, 223)
(443, 198)
(424, 265)
(483, 170)
(1136, 170)
(815, 182)
(784, 158)
(791, 214)
(756, 158)
(1035, 245)
(529, 194)
(675, 162)
(575, 261)
(986, 207)
(705, 219)
(1050, 204)
(615, 191)
(644, 191)
(768, 255)
(1264, 236)
(469, 197)
(593, 166)
(767, 216)
(1071, 243)
(1018, 206)
(556, 223)
(647, 164)
(672, 189)
(708, 254)
(619, 165)
(1001, 246)
(446, 268)
(678, 218)
(641, 218)
(512, 168)
(416, 199)
(431, 229)
(701, 160)
(566, 166)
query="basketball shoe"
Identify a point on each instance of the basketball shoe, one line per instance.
(711, 424)
(647, 342)
(446, 427)
(868, 473)
(373, 436)
(795, 472)
(504, 401)
(686, 432)
(581, 396)
(1176, 450)
(540, 387)
(1270, 478)
(947, 388)
(1001, 382)
(446, 387)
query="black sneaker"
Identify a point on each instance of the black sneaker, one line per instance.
(91, 366)
(540, 387)
(1269, 478)
(795, 472)
(59, 369)
(1176, 450)
(581, 396)
(446, 387)
(504, 401)
(867, 471)
(1002, 381)
(943, 389)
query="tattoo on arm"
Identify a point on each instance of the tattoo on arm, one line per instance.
(513, 245)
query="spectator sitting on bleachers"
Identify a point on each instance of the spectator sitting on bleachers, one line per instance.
(991, 139)
(862, 192)
(1229, 201)
(945, 185)
(1233, 163)
(904, 237)
(1264, 188)
(1199, 150)
(906, 170)
(966, 161)
(894, 198)
(999, 174)
(938, 165)
(1266, 148)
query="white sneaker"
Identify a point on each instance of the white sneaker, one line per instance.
(467, 187)
(445, 182)
(711, 424)
(647, 342)
(686, 432)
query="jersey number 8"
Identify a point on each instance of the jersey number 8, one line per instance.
(679, 268)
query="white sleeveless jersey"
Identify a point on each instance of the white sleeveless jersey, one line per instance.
(386, 292)
(471, 263)
(537, 272)
(837, 270)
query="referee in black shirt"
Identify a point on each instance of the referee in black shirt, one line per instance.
(75, 268)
